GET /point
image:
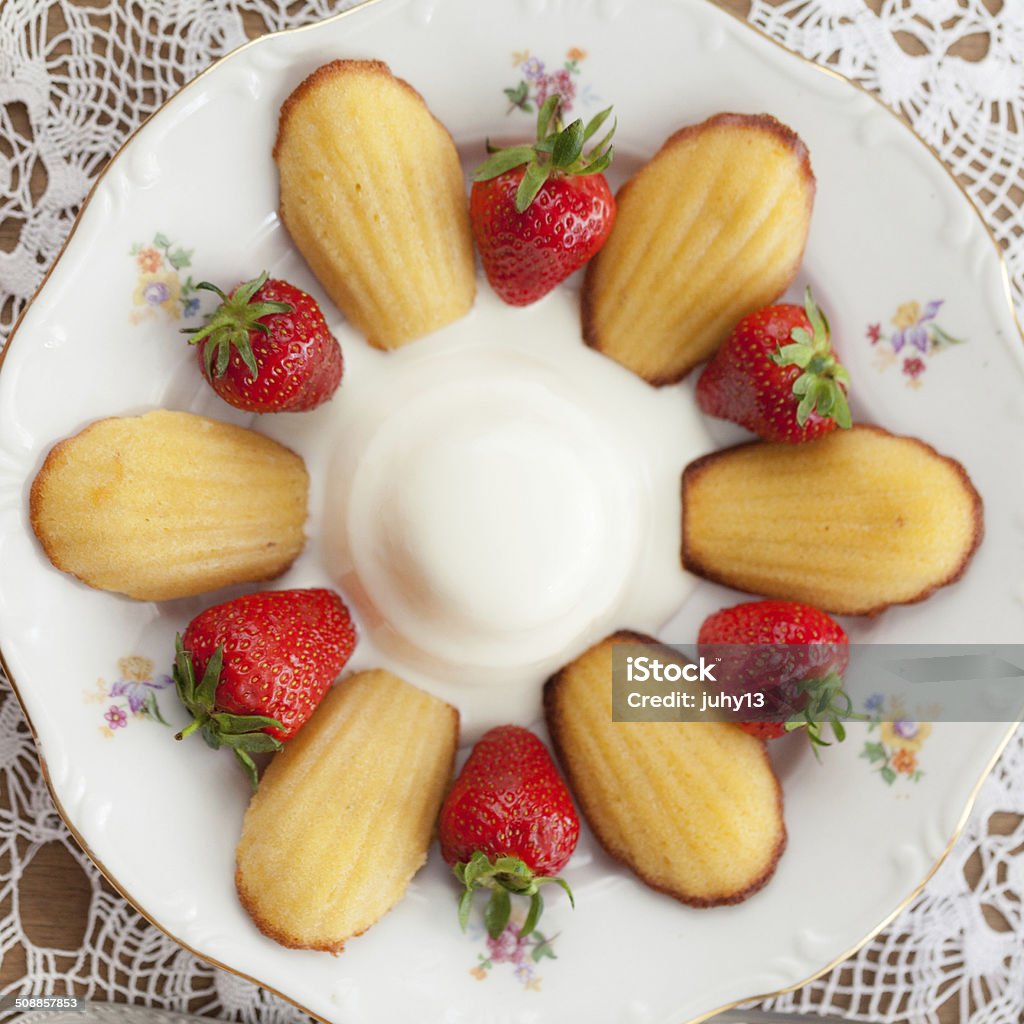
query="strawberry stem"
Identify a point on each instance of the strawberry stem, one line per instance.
(244, 734)
(557, 150)
(194, 726)
(504, 877)
(827, 703)
(230, 326)
(822, 386)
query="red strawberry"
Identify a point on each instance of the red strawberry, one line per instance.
(791, 653)
(765, 730)
(267, 348)
(264, 662)
(540, 212)
(776, 374)
(508, 825)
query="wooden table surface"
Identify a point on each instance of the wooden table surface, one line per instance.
(54, 879)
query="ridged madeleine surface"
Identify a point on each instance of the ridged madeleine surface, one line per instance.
(712, 228)
(373, 194)
(169, 504)
(693, 808)
(344, 814)
(851, 523)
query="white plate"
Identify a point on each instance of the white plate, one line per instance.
(890, 228)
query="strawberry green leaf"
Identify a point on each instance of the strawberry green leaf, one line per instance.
(546, 116)
(511, 866)
(209, 287)
(497, 912)
(533, 915)
(465, 908)
(184, 674)
(602, 147)
(568, 892)
(806, 407)
(842, 409)
(206, 692)
(240, 724)
(223, 353)
(244, 292)
(261, 309)
(602, 163)
(503, 160)
(594, 124)
(254, 742)
(469, 873)
(568, 146)
(600, 155)
(794, 355)
(533, 181)
(819, 322)
(249, 767)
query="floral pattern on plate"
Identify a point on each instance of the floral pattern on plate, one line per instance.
(539, 80)
(915, 339)
(131, 696)
(159, 284)
(898, 740)
(523, 954)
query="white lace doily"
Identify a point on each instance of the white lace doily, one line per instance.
(76, 79)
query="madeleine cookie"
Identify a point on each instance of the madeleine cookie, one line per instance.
(693, 808)
(169, 504)
(850, 523)
(344, 814)
(373, 194)
(711, 229)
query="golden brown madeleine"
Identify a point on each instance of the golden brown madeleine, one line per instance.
(694, 808)
(344, 814)
(169, 504)
(851, 523)
(373, 194)
(712, 228)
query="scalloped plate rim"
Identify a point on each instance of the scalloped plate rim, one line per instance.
(333, 19)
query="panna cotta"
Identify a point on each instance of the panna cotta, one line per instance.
(485, 523)
(494, 498)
